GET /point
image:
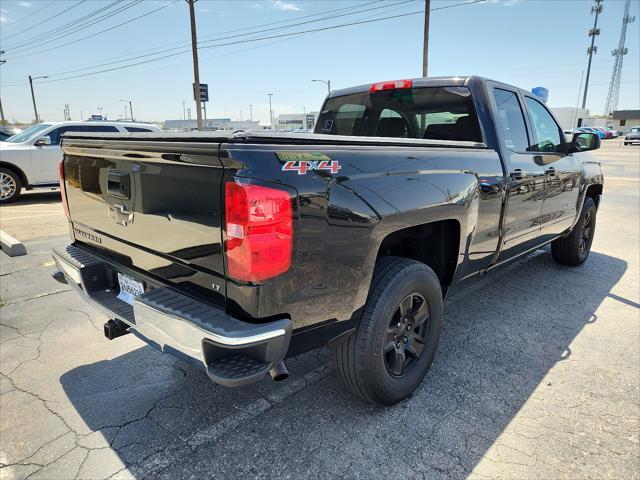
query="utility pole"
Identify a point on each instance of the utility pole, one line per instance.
(184, 114)
(425, 46)
(595, 31)
(270, 111)
(196, 69)
(33, 96)
(2, 62)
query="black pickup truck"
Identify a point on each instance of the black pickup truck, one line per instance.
(237, 251)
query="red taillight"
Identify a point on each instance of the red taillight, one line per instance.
(392, 85)
(63, 190)
(259, 223)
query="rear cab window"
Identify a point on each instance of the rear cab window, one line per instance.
(434, 113)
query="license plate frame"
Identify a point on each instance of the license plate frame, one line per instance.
(130, 288)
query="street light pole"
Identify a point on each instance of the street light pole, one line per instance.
(326, 82)
(130, 109)
(196, 70)
(425, 46)
(33, 96)
(270, 111)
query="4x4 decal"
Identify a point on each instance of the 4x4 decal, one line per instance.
(303, 162)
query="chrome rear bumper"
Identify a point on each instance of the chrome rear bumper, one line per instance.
(233, 352)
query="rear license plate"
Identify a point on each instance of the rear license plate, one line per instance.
(129, 288)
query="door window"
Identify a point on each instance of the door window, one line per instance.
(57, 133)
(545, 128)
(511, 120)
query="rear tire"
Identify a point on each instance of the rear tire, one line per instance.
(10, 186)
(574, 249)
(386, 359)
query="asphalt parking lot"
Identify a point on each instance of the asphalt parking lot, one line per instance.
(537, 376)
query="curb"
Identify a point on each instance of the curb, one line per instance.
(10, 245)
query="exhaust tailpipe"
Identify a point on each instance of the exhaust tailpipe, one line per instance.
(279, 372)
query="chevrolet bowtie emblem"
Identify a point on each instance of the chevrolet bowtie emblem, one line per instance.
(120, 214)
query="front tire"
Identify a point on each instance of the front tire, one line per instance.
(386, 359)
(10, 186)
(574, 249)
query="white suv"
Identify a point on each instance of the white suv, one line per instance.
(30, 159)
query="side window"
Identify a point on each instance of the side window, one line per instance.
(511, 120)
(545, 128)
(57, 133)
(99, 128)
(54, 135)
(137, 129)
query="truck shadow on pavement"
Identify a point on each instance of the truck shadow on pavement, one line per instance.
(165, 419)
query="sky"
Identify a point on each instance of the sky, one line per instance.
(527, 43)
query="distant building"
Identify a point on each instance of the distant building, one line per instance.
(625, 119)
(296, 121)
(211, 124)
(570, 117)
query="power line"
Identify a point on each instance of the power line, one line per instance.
(103, 31)
(57, 35)
(303, 32)
(184, 45)
(43, 21)
(61, 28)
(35, 12)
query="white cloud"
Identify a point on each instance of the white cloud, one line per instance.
(284, 6)
(506, 3)
(4, 18)
(24, 4)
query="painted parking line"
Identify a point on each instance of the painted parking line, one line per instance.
(31, 216)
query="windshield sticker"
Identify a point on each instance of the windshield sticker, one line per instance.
(327, 126)
(303, 166)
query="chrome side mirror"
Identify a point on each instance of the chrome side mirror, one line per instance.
(42, 141)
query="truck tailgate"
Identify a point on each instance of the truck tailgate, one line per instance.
(150, 204)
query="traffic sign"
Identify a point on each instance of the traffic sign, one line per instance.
(204, 92)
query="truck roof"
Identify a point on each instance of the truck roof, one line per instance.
(450, 81)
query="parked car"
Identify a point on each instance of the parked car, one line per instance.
(632, 136)
(600, 133)
(30, 159)
(608, 133)
(236, 251)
